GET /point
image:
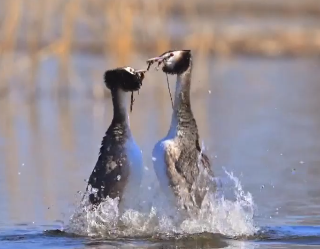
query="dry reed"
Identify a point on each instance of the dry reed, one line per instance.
(121, 29)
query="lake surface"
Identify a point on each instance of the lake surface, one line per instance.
(259, 123)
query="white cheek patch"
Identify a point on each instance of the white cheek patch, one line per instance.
(176, 54)
(129, 70)
(169, 62)
(173, 59)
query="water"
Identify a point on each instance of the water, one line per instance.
(259, 123)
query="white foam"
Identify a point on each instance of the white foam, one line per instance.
(154, 216)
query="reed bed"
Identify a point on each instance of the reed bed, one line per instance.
(34, 31)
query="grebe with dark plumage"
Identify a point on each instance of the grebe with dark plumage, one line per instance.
(183, 171)
(118, 171)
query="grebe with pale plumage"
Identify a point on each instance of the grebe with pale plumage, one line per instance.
(178, 161)
(118, 171)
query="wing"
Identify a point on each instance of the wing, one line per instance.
(110, 171)
(198, 182)
(186, 167)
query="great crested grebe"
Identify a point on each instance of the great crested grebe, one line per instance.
(183, 171)
(118, 171)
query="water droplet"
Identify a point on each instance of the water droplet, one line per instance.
(22, 164)
(209, 91)
(154, 159)
(262, 187)
(149, 188)
(32, 222)
(301, 162)
(215, 156)
(281, 154)
(146, 168)
(19, 173)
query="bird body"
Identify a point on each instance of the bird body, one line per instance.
(119, 168)
(183, 171)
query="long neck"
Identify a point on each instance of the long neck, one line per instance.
(120, 112)
(118, 130)
(182, 116)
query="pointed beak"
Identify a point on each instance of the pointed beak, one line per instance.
(159, 59)
(141, 71)
(154, 60)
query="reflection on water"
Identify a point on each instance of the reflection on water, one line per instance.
(257, 117)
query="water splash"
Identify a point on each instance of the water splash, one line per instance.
(154, 216)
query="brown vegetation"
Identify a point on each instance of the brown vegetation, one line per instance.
(32, 31)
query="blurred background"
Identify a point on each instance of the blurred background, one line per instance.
(255, 95)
